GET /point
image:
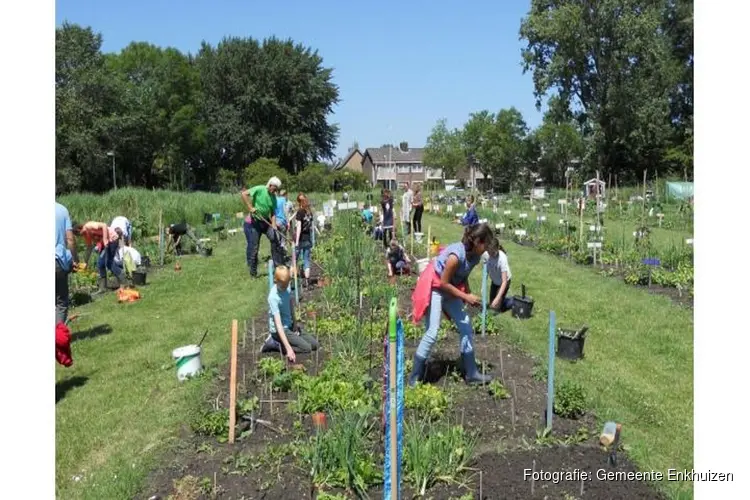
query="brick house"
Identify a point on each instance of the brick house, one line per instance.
(352, 161)
(391, 167)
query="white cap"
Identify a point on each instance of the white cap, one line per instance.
(274, 181)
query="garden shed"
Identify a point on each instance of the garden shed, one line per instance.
(592, 187)
(679, 190)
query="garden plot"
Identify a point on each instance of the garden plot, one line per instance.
(620, 247)
(458, 440)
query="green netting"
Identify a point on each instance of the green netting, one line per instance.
(680, 190)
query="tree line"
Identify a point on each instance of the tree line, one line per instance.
(617, 76)
(166, 119)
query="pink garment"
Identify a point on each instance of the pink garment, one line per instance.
(422, 294)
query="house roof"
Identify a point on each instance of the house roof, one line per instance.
(593, 181)
(380, 155)
(346, 159)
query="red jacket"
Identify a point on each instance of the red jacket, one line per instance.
(422, 294)
(63, 354)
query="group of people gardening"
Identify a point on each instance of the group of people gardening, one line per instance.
(270, 213)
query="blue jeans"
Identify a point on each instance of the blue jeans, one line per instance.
(303, 252)
(455, 308)
(107, 260)
(252, 235)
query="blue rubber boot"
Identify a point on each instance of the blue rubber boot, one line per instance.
(417, 373)
(471, 373)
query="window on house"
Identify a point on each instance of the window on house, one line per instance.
(403, 169)
(417, 169)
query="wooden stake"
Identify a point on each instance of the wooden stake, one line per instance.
(513, 413)
(252, 325)
(270, 396)
(502, 370)
(581, 484)
(233, 384)
(429, 240)
(244, 334)
(162, 243)
(533, 472)
(480, 485)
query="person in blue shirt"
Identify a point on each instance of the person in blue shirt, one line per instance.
(282, 221)
(470, 217)
(443, 288)
(65, 260)
(281, 323)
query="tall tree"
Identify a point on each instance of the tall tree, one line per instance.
(444, 149)
(84, 98)
(611, 62)
(268, 99)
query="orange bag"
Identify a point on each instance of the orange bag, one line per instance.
(128, 295)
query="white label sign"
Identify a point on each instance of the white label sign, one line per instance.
(594, 244)
(562, 202)
(449, 208)
(523, 216)
(520, 232)
(327, 209)
(562, 222)
(483, 221)
(507, 212)
(595, 229)
(541, 218)
(661, 216)
(545, 205)
(500, 226)
(689, 241)
(494, 209)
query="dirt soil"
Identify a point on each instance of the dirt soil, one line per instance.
(259, 467)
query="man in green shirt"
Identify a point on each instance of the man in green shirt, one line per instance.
(261, 205)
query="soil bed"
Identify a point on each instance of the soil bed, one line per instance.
(262, 465)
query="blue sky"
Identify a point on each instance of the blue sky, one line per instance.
(400, 66)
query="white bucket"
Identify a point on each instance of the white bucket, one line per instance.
(188, 360)
(418, 237)
(422, 264)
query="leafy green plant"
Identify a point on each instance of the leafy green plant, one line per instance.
(435, 452)
(497, 390)
(287, 380)
(570, 400)
(270, 366)
(426, 400)
(213, 423)
(333, 390)
(540, 372)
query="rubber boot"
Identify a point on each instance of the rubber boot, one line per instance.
(122, 280)
(417, 373)
(471, 372)
(102, 283)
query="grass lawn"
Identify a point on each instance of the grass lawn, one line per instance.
(638, 368)
(124, 402)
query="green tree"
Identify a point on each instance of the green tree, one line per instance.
(268, 99)
(614, 66)
(258, 173)
(560, 145)
(84, 99)
(444, 149)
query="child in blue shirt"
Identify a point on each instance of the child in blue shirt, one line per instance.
(281, 322)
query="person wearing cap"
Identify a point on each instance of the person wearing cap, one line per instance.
(261, 205)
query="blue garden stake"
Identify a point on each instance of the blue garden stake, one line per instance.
(393, 404)
(296, 271)
(270, 274)
(484, 299)
(551, 370)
